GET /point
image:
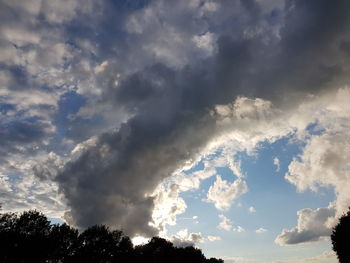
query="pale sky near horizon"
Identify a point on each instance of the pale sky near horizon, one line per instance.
(219, 123)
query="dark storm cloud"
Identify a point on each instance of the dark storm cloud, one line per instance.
(171, 125)
(123, 167)
(110, 182)
(310, 43)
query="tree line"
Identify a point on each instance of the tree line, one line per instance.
(30, 237)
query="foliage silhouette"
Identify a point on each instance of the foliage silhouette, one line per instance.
(63, 242)
(31, 238)
(341, 238)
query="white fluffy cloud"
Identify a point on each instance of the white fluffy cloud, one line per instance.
(214, 238)
(252, 209)
(276, 162)
(223, 194)
(239, 229)
(225, 223)
(261, 230)
(168, 205)
(312, 226)
(183, 238)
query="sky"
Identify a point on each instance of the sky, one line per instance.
(219, 123)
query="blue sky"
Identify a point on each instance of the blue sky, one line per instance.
(223, 124)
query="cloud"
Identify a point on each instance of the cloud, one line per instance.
(214, 238)
(223, 194)
(185, 239)
(139, 240)
(225, 223)
(168, 205)
(239, 229)
(206, 42)
(261, 230)
(28, 192)
(312, 226)
(252, 209)
(276, 162)
(238, 260)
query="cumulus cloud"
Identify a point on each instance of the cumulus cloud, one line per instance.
(225, 223)
(252, 209)
(168, 205)
(276, 162)
(184, 239)
(261, 230)
(214, 238)
(239, 229)
(223, 194)
(312, 226)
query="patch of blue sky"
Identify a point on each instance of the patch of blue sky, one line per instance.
(14, 176)
(68, 105)
(54, 221)
(270, 193)
(315, 129)
(198, 167)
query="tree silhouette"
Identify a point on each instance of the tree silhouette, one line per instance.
(341, 238)
(156, 250)
(99, 244)
(214, 260)
(31, 238)
(160, 250)
(24, 238)
(63, 242)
